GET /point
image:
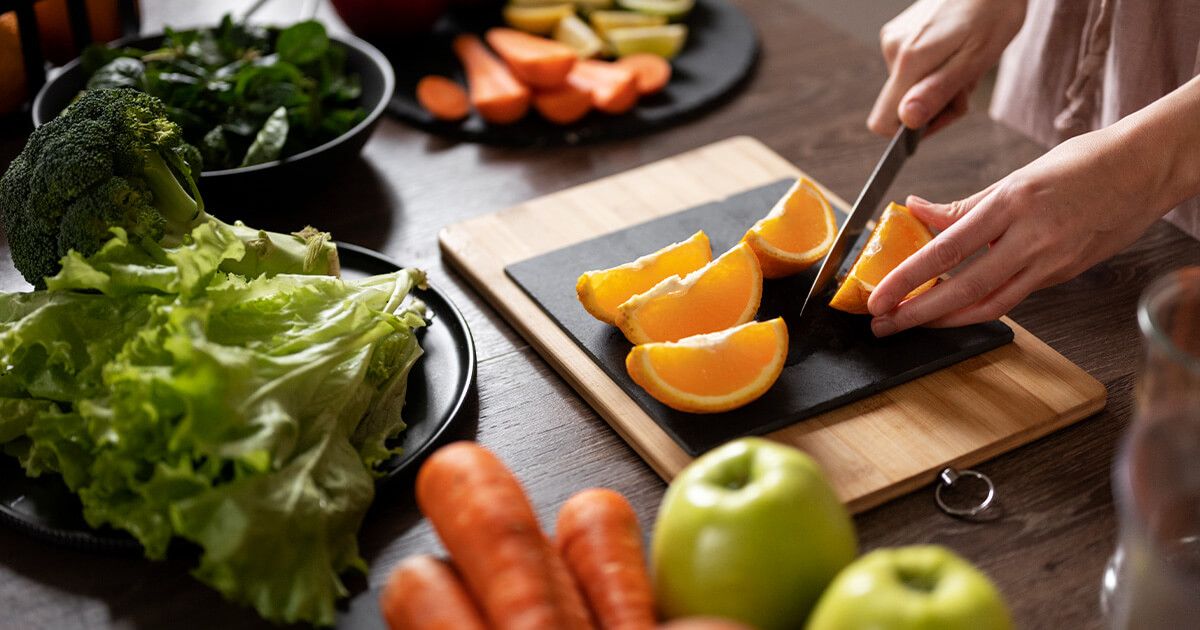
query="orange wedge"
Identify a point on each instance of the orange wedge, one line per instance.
(603, 290)
(713, 372)
(797, 232)
(897, 236)
(721, 294)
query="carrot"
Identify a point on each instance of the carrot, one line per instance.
(613, 88)
(425, 593)
(651, 71)
(598, 536)
(564, 105)
(485, 521)
(540, 62)
(443, 98)
(496, 94)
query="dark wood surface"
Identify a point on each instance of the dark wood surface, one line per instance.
(1053, 530)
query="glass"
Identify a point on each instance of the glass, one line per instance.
(1153, 579)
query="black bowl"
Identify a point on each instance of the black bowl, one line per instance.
(377, 79)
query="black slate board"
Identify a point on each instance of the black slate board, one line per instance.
(837, 362)
(721, 50)
(438, 388)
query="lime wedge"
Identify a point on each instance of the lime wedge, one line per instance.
(664, 41)
(573, 32)
(539, 20)
(605, 21)
(673, 9)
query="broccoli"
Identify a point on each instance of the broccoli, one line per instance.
(113, 159)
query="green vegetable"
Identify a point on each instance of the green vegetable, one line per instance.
(113, 159)
(244, 415)
(236, 77)
(269, 141)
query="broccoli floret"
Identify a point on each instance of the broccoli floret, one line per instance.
(114, 159)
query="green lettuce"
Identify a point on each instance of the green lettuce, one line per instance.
(247, 415)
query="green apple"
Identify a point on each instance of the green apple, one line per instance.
(750, 531)
(924, 587)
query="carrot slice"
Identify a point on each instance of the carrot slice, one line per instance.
(598, 537)
(425, 593)
(564, 105)
(496, 94)
(443, 98)
(613, 88)
(652, 72)
(485, 521)
(539, 62)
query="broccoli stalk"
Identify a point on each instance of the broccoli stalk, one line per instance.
(113, 159)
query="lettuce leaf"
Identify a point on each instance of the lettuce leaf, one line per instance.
(245, 415)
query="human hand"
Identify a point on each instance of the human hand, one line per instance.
(936, 51)
(1045, 223)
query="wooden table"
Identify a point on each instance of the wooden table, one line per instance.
(1054, 526)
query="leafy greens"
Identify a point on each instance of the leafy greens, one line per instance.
(243, 94)
(246, 415)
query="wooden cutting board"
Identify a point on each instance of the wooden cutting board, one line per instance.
(872, 450)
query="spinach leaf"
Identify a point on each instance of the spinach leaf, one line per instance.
(120, 72)
(269, 142)
(214, 148)
(302, 42)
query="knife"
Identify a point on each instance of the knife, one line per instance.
(865, 209)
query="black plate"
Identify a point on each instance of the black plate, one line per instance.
(839, 360)
(720, 53)
(377, 80)
(437, 390)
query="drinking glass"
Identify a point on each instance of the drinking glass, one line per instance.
(1153, 579)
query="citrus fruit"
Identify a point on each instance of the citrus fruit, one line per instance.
(796, 233)
(664, 41)
(712, 372)
(723, 293)
(674, 9)
(897, 236)
(602, 291)
(575, 33)
(605, 21)
(539, 20)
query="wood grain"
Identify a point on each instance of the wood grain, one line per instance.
(871, 450)
(1047, 543)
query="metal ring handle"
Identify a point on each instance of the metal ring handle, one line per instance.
(948, 477)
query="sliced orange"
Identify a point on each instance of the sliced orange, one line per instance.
(603, 290)
(897, 236)
(797, 232)
(723, 293)
(713, 372)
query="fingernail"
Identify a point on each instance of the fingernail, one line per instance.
(918, 200)
(915, 113)
(883, 326)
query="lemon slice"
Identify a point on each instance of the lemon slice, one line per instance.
(664, 41)
(673, 9)
(539, 20)
(605, 21)
(574, 33)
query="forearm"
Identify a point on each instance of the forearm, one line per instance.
(1159, 147)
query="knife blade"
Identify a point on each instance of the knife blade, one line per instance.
(865, 209)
